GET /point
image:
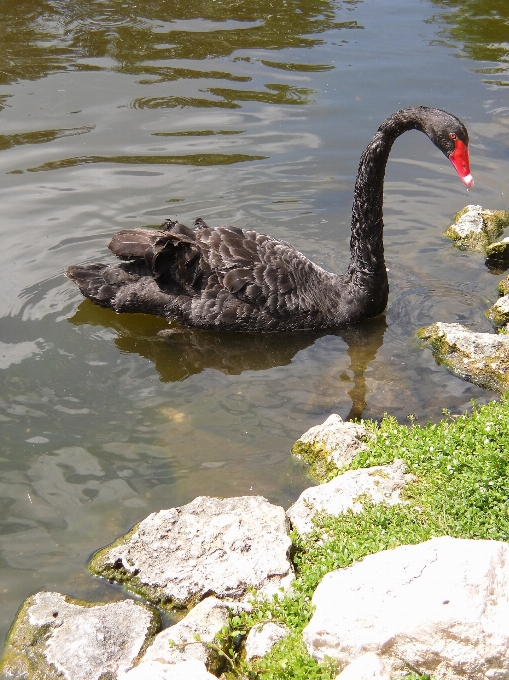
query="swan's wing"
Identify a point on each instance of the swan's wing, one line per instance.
(221, 277)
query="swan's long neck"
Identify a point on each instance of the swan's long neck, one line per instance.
(367, 264)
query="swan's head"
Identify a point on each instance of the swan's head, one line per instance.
(450, 135)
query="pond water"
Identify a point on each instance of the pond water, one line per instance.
(252, 113)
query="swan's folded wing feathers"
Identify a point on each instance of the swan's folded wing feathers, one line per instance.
(132, 243)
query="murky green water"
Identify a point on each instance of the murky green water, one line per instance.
(255, 113)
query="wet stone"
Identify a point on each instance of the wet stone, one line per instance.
(475, 228)
(480, 358)
(499, 312)
(499, 250)
(331, 445)
(55, 636)
(211, 546)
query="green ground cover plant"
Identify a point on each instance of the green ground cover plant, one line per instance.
(461, 465)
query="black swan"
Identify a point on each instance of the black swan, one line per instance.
(230, 279)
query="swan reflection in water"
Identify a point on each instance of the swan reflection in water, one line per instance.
(179, 352)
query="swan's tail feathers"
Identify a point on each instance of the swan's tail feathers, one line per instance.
(144, 244)
(98, 282)
(125, 287)
(130, 244)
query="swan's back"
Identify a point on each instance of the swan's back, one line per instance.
(216, 278)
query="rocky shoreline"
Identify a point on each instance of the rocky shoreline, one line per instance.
(438, 608)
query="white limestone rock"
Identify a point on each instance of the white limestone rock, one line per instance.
(368, 666)
(333, 443)
(380, 484)
(441, 607)
(209, 546)
(481, 358)
(188, 638)
(156, 670)
(55, 636)
(262, 637)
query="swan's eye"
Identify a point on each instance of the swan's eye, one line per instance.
(452, 135)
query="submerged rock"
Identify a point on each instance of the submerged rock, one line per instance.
(211, 546)
(331, 445)
(480, 358)
(439, 608)
(474, 227)
(56, 637)
(262, 637)
(499, 312)
(378, 484)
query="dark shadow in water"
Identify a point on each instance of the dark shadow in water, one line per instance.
(178, 353)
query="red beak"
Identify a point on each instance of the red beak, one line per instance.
(461, 162)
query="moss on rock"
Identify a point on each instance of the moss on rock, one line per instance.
(498, 250)
(100, 565)
(475, 228)
(499, 312)
(52, 632)
(503, 286)
(318, 459)
(480, 358)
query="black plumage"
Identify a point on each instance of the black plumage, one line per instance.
(227, 278)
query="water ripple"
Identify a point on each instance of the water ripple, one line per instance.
(200, 159)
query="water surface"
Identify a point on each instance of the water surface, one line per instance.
(249, 113)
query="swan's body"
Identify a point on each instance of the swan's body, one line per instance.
(226, 278)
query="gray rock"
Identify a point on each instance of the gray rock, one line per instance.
(499, 312)
(156, 670)
(331, 445)
(262, 637)
(188, 638)
(210, 546)
(380, 484)
(55, 636)
(439, 608)
(474, 228)
(481, 358)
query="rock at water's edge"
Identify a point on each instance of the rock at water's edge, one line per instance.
(474, 228)
(480, 358)
(499, 312)
(498, 251)
(331, 445)
(55, 637)
(211, 546)
(379, 484)
(440, 607)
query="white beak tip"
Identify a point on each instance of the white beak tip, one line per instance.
(468, 181)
